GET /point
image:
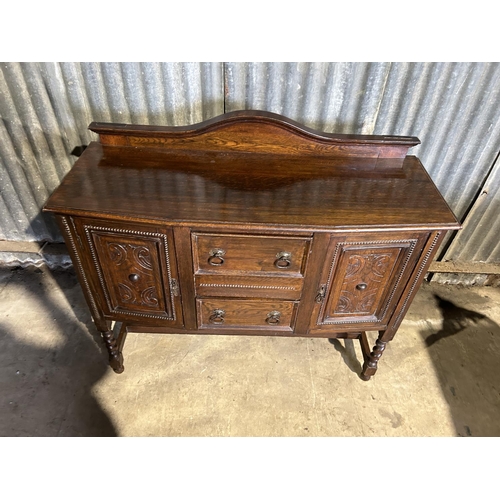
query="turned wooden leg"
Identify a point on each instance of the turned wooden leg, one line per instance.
(371, 357)
(115, 355)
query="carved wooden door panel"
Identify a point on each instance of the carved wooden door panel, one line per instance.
(363, 279)
(136, 271)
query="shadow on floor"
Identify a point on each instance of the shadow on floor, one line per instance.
(46, 385)
(466, 353)
(348, 354)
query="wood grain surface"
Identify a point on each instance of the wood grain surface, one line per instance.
(250, 223)
(300, 194)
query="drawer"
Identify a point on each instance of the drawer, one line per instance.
(249, 254)
(255, 314)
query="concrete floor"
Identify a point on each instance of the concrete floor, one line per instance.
(439, 377)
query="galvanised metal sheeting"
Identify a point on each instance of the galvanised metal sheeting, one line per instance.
(452, 107)
(47, 107)
(479, 239)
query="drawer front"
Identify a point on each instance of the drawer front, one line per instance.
(249, 255)
(251, 314)
(363, 279)
(210, 285)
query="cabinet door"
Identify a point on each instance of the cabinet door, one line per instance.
(363, 279)
(136, 270)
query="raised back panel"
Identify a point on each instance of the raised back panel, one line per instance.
(256, 132)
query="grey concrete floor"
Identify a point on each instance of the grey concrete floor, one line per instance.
(439, 377)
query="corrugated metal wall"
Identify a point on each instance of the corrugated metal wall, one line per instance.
(452, 107)
(479, 240)
(45, 109)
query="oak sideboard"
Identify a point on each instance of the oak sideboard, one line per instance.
(249, 224)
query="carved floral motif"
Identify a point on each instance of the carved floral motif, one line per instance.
(127, 262)
(364, 275)
(133, 260)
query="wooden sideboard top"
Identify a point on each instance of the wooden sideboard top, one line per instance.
(252, 168)
(314, 193)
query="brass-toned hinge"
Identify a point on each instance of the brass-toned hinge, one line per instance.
(175, 287)
(321, 294)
